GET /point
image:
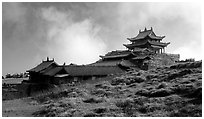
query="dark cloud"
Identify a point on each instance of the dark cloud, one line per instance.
(32, 31)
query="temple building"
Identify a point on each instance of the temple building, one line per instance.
(145, 51)
(49, 71)
(147, 39)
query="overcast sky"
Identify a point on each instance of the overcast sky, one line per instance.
(80, 32)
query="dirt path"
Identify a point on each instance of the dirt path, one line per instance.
(19, 107)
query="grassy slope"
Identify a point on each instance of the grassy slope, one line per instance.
(13, 80)
(175, 91)
(24, 107)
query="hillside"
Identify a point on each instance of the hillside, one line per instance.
(169, 91)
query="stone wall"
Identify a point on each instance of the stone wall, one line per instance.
(160, 60)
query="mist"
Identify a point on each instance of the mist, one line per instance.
(69, 41)
(80, 32)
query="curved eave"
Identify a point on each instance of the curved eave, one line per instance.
(141, 57)
(157, 37)
(134, 45)
(152, 37)
(159, 44)
(128, 46)
(101, 56)
(115, 56)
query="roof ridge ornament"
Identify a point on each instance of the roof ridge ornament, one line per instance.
(151, 29)
(145, 29)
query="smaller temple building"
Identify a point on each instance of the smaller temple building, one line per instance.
(50, 72)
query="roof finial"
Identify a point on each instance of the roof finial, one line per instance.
(64, 64)
(145, 29)
(151, 29)
(140, 31)
(53, 59)
(47, 58)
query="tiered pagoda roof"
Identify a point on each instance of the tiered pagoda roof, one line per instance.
(141, 43)
(146, 39)
(146, 33)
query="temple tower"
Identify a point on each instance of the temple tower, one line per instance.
(147, 40)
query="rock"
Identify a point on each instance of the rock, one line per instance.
(160, 93)
(132, 85)
(34, 102)
(187, 65)
(189, 91)
(197, 93)
(129, 79)
(73, 94)
(179, 74)
(98, 85)
(98, 92)
(154, 93)
(183, 89)
(65, 114)
(162, 85)
(93, 100)
(142, 110)
(104, 85)
(124, 103)
(118, 80)
(48, 102)
(100, 110)
(91, 115)
(136, 79)
(151, 76)
(143, 92)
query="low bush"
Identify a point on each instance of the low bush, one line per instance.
(93, 100)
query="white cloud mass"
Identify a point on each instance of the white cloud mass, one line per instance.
(67, 40)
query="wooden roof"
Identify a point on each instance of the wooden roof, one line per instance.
(114, 63)
(85, 70)
(42, 66)
(136, 44)
(141, 57)
(146, 33)
(106, 63)
(53, 71)
(159, 43)
(137, 49)
(117, 54)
